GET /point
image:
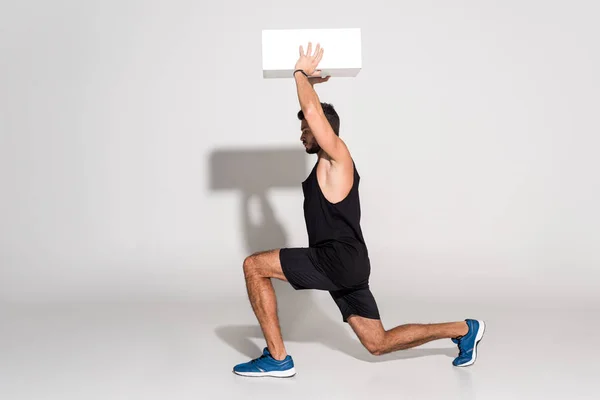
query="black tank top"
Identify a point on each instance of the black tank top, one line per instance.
(337, 245)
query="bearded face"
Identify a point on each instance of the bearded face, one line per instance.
(308, 139)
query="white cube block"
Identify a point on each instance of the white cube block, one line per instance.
(342, 51)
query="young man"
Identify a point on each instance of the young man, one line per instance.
(336, 259)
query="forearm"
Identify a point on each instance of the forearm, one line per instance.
(308, 98)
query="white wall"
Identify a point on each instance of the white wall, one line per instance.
(474, 126)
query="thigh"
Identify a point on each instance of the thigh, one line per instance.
(369, 331)
(265, 264)
(366, 329)
(301, 271)
(357, 302)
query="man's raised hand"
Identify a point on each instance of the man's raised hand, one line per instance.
(308, 62)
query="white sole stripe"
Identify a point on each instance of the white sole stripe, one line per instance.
(276, 374)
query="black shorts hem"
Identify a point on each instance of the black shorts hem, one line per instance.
(367, 316)
(289, 277)
(359, 302)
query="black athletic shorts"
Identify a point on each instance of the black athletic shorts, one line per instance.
(301, 273)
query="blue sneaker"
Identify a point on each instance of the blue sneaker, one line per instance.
(266, 365)
(467, 345)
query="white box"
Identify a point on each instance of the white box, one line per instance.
(342, 51)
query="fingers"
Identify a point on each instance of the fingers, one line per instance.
(315, 58)
(319, 55)
(318, 50)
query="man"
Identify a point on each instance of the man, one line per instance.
(337, 259)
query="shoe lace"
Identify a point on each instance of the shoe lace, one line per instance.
(258, 359)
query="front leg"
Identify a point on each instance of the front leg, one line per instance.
(259, 268)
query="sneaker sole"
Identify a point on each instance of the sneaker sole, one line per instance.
(478, 338)
(273, 374)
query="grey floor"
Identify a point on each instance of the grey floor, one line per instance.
(185, 350)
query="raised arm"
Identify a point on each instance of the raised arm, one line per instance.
(310, 105)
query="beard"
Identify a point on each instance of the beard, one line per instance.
(314, 149)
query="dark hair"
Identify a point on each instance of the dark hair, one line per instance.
(330, 114)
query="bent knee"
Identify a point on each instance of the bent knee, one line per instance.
(252, 267)
(262, 265)
(249, 266)
(375, 349)
(374, 346)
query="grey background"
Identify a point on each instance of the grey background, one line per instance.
(124, 126)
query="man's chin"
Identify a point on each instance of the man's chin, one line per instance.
(312, 150)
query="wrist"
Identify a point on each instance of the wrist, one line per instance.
(301, 71)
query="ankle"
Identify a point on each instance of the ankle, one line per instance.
(278, 355)
(463, 328)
